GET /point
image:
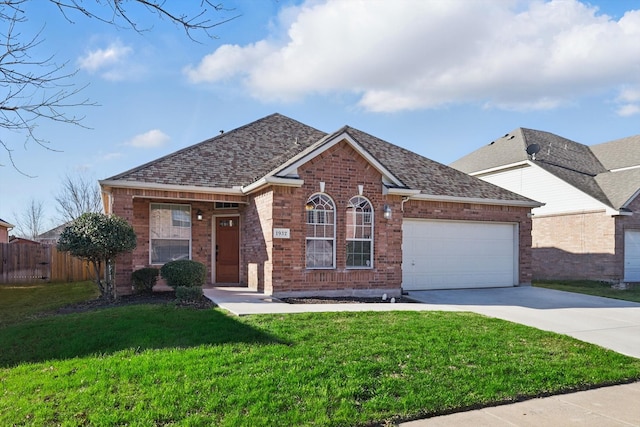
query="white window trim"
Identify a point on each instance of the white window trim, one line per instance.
(150, 237)
(357, 239)
(333, 239)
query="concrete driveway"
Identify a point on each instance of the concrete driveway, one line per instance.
(610, 323)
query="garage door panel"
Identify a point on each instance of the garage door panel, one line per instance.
(632, 256)
(450, 255)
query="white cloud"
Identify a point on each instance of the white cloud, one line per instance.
(629, 101)
(511, 54)
(109, 62)
(628, 110)
(630, 94)
(151, 139)
(111, 156)
(227, 61)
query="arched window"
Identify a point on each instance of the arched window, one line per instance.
(321, 231)
(359, 220)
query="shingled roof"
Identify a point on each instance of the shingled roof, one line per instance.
(428, 176)
(588, 169)
(618, 154)
(229, 160)
(245, 155)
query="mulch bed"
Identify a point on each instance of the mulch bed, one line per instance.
(342, 300)
(169, 297)
(155, 298)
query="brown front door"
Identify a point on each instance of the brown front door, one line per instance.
(227, 250)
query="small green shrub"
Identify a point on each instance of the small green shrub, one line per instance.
(188, 293)
(184, 273)
(145, 279)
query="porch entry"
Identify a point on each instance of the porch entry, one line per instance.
(227, 248)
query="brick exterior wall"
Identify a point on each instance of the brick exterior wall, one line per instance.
(481, 212)
(134, 206)
(576, 246)
(4, 235)
(278, 266)
(256, 243)
(342, 169)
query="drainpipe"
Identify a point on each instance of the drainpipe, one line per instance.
(404, 200)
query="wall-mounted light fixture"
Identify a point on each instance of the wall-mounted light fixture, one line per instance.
(308, 206)
(386, 212)
(199, 215)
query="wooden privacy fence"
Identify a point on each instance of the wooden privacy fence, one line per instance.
(25, 263)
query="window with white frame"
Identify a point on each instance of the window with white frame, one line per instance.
(321, 231)
(169, 232)
(359, 232)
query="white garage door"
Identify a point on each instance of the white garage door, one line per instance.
(632, 256)
(456, 254)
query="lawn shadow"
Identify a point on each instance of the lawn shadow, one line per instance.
(106, 331)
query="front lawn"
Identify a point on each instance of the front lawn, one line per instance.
(166, 365)
(20, 301)
(589, 287)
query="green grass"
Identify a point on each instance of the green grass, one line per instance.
(591, 288)
(153, 365)
(19, 302)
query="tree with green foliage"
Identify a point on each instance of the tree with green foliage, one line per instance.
(99, 239)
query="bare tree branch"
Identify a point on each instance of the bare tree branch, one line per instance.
(79, 194)
(118, 15)
(35, 89)
(29, 223)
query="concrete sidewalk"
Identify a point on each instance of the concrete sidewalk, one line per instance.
(571, 314)
(608, 406)
(243, 301)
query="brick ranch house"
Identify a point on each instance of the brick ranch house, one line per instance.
(589, 227)
(288, 210)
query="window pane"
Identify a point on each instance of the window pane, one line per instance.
(359, 228)
(168, 250)
(319, 253)
(170, 232)
(359, 254)
(170, 221)
(320, 231)
(181, 217)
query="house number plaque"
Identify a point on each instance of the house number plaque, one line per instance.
(281, 233)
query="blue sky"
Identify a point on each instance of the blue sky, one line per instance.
(441, 78)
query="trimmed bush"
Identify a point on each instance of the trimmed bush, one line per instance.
(145, 279)
(188, 293)
(184, 273)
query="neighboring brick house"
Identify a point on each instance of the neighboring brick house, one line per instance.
(589, 227)
(4, 230)
(286, 209)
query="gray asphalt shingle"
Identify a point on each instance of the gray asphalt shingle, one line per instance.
(246, 154)
(620, 153)
(232, 159)
(584, 167)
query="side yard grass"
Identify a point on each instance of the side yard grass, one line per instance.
(589, 287)
(150, 365)
(20, 301)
